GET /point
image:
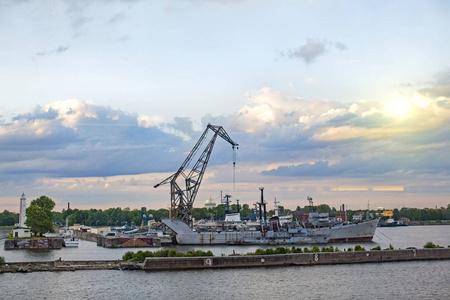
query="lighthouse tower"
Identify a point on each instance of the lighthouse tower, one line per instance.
(22, 214)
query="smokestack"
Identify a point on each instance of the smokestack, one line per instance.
(68, 205)
(344, 216)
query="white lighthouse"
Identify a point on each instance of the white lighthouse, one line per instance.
(22, 214)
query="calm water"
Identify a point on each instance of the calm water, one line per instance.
(404, 280)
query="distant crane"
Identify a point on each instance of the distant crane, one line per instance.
(182, 201)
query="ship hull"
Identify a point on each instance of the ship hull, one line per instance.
(360, 232)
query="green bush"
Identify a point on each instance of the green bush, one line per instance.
(431, 245)
(2, 260)
(280, 250)
(260, 251)
(376, 248)
(269, 251)
(315, 249)
(296, 250)
(128, 255)
(359, 248)
(411, 248)
(328, 249)
(350, 249)
(140, 256)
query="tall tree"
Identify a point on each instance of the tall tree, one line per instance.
(39, 215)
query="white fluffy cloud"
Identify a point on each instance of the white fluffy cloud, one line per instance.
(278, 137)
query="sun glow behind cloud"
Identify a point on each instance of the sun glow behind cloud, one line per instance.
(399, 108)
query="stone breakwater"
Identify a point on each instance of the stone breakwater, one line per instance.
(235, 261)
(62, 265)
(302, 259)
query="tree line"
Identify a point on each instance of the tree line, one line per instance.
(119, 216)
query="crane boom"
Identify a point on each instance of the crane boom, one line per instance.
(182, 201)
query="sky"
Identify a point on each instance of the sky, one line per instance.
(344, 101)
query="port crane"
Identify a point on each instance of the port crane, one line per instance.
(182, 201)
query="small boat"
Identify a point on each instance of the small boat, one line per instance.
(389, 223)
(70, 238)
(71, 242)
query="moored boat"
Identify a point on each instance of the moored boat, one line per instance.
(278, 230)
(70, 242)
(355, 232)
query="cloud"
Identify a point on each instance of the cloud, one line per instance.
(312, 49)
(77, 145)
(119, 17)
(314, 138)
(80, 21)
(176, 5)
(75, 138)
(440, 87)
(123, 38)
(340, 46)
(309, 51)
(59, 50)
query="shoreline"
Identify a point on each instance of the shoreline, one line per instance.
(233, 261)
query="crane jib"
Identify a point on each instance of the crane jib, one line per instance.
(182, 200)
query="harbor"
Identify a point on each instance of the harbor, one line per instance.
(90, 264)
(399, 238)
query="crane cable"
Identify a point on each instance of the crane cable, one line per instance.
(234, 168)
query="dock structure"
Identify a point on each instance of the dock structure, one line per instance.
(235, 261)
(300, 259)
(35, 243)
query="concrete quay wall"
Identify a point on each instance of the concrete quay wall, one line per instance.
(181, 263)
(87, 236)
(125, 242)
(35, 243)
(238, 261)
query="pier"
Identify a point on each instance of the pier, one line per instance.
(234, 261)
(301, 259)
